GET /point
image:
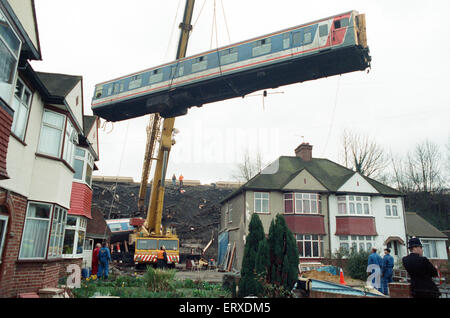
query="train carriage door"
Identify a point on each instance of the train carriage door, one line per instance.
(339, 28)
(324, 31)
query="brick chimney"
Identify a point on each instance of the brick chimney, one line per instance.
(304, 151)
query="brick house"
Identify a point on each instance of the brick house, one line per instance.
(42, 149)
(326, 206)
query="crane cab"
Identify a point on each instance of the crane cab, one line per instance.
(146, 250)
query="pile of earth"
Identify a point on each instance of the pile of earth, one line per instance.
(194, 212)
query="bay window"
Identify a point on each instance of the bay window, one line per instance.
(10, 46)
(43, 220)
(309, 245)
(21, 107)
(302, 203)
(83, 165)
(74, 236)
(354, 205)
(57, 130)
(356, 242)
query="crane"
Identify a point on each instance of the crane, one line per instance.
(149, 235)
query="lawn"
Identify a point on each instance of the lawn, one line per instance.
(154, 283)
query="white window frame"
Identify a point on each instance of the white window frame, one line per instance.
(8, 96)
(57, 232)
(391, 205)
(62, 135)
(262, 199)
(351, 240)
(303, 197)
(432, 247)
(4, 218)
(348, 205)
(230, 212)
(302, 238)
(70, 142)
(88, 161)
(27, 218)
(21, 110)
(80, 226)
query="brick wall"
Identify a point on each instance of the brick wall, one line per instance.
(17, 277)
(6, 119)
(400, 290)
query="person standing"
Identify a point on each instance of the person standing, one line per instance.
(375, 259)
(162, 258)
(387, 271)
(174, 180)
(95, 259)
(104, 256)
(421, 271)
(181, 180)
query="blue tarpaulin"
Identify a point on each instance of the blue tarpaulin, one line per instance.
(329, 269)
(223, 244)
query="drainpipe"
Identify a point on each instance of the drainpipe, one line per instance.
(328, 225)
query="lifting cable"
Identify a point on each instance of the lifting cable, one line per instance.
(332, 115)
(117, 178)
(172, 31)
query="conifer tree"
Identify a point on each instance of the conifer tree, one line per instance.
(249, 284)
(283, 267)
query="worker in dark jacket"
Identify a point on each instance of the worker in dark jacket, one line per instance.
(387, 271)
(421, 271)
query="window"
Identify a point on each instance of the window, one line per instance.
(356, 242)
(74, 236)
(98, 91)
(342, 23)
(391, 207)
(286, 40)
(261, 202)
(170, 245)
(302, 37)
(229, 56)
(309, 245)
(135, 82)
(354, 205)
(230, 212)
(429, 248)
(57, 233)
(176, 71)
(3, 228)
(70, 141)
(302, 203)
(21, 107)
(83, 165)
(262, 47)
(308, 36)
(35, 231)
(156, 76)
(200, 64)
(323, 30)
(10, 46)
(51, 134)
(146, 244)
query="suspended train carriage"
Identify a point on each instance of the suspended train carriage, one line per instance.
(322, 48)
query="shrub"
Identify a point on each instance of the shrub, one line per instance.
(357, 264)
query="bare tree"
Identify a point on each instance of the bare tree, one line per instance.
(363, 154)
(424, 167)
(249, 167)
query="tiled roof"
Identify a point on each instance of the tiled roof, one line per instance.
(330, 174)
(419, 227)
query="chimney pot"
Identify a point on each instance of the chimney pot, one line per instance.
(304, 151)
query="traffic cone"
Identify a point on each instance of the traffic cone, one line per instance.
(341, 278)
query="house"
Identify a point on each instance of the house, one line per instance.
(326, 206)
(45, 187)
(434, 242)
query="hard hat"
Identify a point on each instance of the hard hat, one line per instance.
(413, 242)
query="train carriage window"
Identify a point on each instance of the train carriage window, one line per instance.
(286, 41)
(229, 56)
(323, 30)
(98, 92)
(261, 47)
(342, 23)
(200, 64)
(135, 82)
(307, 38)
(110, 89)
(297, 38)
(156, 76)
(116, 88)
(176, 71)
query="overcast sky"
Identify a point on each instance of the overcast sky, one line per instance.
(403, 100)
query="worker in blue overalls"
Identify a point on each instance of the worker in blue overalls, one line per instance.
(104, 256)
(376, 259)
(386, 271)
